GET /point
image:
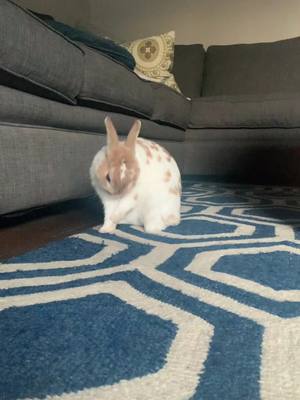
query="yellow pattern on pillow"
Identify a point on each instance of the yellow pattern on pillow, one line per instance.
(154, 58)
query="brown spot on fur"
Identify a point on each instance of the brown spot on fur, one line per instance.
(167, 176)
(173, 190)
(119, 155)
(145, 147)
(166, 152)
(159, 158)
(176, 190)
(102, 171)
(136, 196)
(154, 146)
(169, 158)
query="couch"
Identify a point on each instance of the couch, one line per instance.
(238, 116)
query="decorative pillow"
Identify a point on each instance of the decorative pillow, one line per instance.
(154, 58)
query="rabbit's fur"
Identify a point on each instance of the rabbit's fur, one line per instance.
(137, 181)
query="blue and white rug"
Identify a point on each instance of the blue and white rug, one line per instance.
(208, 310)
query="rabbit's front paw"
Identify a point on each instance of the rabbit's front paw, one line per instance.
(172, 220)
(154, 229)
(116, 217)
(108, 228)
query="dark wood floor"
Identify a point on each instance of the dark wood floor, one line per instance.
(21, 233)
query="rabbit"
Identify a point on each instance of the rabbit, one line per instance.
(137, 180)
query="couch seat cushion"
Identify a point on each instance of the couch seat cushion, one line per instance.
(20, 108)
(24, 108)
(280, 110)
(106, 82)
(35, 58)
(170, 107)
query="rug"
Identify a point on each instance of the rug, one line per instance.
(207, 310)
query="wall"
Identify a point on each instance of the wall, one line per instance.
(195, 21)
(204, 21)
(73, 12)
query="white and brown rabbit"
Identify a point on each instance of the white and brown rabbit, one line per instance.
(137, 181)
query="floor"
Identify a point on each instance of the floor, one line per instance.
(215, 297)
(21, 233)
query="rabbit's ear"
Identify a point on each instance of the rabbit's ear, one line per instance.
(133, 134)
(112, 136)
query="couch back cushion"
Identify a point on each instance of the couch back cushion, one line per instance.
(37, 59)
(170, 107)
(188, 68)
(260, 68)
(110, 85)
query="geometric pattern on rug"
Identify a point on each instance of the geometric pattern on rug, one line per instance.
(209, 309)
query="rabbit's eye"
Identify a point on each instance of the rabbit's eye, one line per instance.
(108, 178)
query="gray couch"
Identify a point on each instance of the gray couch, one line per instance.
(243, 115)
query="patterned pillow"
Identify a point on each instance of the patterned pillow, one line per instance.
(154, 58)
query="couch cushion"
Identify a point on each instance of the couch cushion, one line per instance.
(170, 107)
(106, 82)
(42, 165)
(259, 68)
(188, 68)
(35, 58)
(248, 111)
(103, 44)
(22, 108)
